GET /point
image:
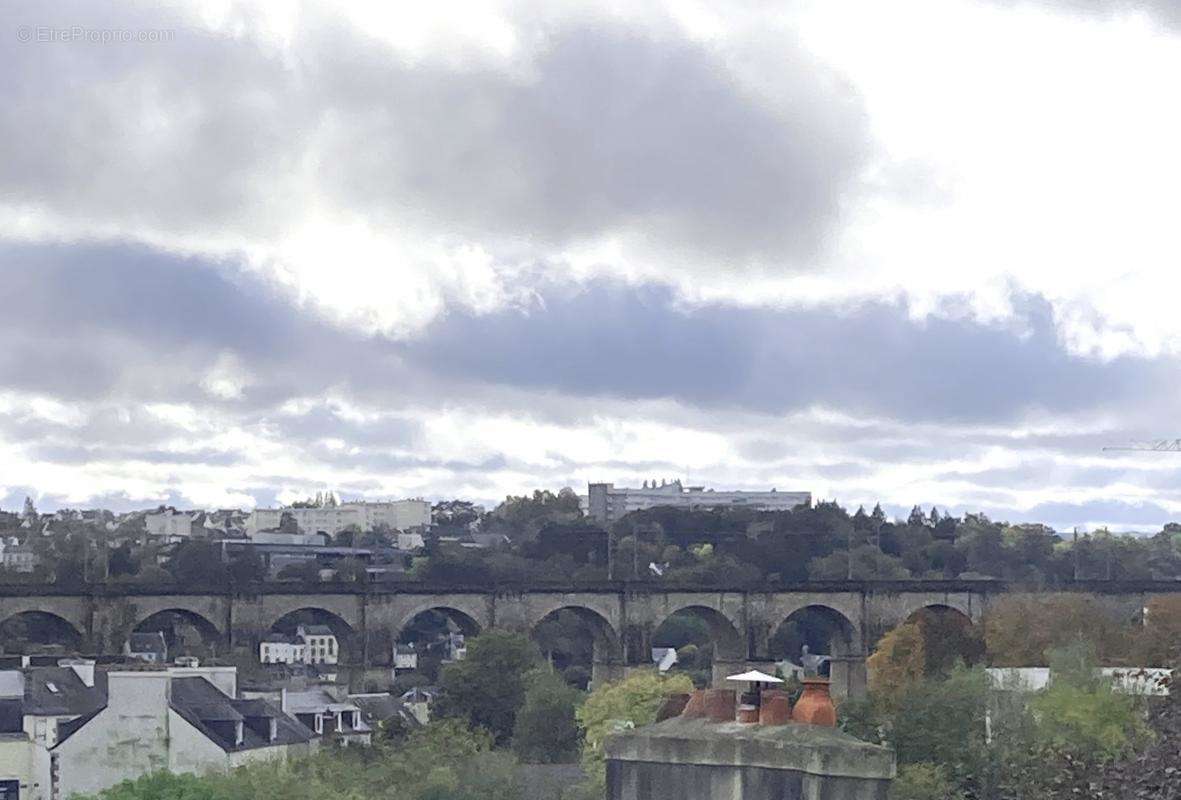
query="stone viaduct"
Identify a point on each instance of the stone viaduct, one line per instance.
(623, 617)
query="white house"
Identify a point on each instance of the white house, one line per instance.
(321, 644)
(405, 658)
(311, 644)
(169, 719)
(324, 714)
(279, 649)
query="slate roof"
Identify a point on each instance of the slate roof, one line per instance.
(317, 630)
(379, 708)
(202, 705)
(59, 692)
(11, 716)
(66, 729)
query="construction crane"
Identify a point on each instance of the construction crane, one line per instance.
(1154, 446)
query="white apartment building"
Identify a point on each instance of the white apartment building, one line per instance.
(170, 524)
(400, 515)
(312, 644)
(607, 504)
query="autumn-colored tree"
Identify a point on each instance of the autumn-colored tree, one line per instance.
(1160, 638)
(1021, 629)
(898, 662)
(948, 638)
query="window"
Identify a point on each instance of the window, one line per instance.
(51, 686)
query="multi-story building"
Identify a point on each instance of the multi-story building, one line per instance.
(399, 515)
(277, 648)
(311, 644)
(321, 644)
(171, 524)
(607, 504)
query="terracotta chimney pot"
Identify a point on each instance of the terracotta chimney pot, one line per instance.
(815, 705)
(775, 708)
(719, 705)
(696, 705)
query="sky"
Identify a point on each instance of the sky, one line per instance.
(912, 252)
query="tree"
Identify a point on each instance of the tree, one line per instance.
(948, 638)
(287, 523)
(351, 570)
(869, 563)
(942, 722)
(197, 564)
(122, 562)
(1161, 636)
(1020, 630)
(487, 688)
(247, 567)
(633, 700)
(898, 663)
(545, 731)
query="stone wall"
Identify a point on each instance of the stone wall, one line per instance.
(694, 759)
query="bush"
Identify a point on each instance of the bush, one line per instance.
(545, 731)
(923, 782)
(942, 722)
(1079, 715)
(631, 702)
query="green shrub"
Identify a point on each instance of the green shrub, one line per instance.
(1079, 715)
(923, 782)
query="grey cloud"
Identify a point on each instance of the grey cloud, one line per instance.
(152, 325)
(871, 359)
(612, 128)
(74, 454)
(96, 322)
(325, 422)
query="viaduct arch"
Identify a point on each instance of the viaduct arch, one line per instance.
(623, 616)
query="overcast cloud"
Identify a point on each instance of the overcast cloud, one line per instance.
(842, 248)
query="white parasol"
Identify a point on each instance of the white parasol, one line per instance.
(754, 676)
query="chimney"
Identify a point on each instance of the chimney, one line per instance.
(283, 700)
(139, 693)
(83, 668)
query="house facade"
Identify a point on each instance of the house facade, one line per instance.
(311, 644)
(176, 720)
